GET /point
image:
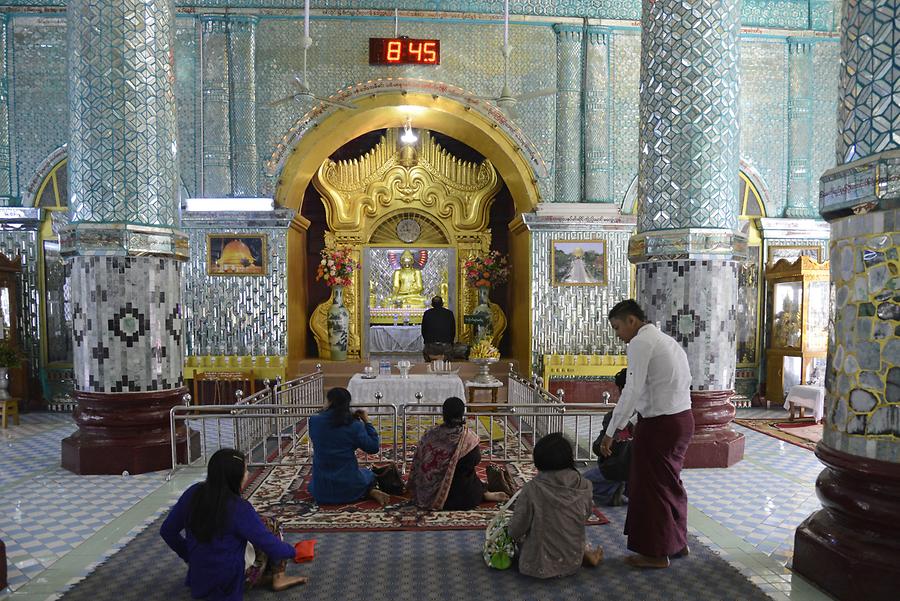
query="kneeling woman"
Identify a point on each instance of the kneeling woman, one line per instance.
(549, 515)
(443, 469)
(336, 433)
(218, 524)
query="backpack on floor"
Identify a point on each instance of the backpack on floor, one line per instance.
(499, 549)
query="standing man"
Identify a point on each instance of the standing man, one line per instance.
(438, 330)
(659, 389)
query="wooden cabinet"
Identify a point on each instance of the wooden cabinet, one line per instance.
(797, 317)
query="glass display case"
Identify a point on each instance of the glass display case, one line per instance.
(798, 314)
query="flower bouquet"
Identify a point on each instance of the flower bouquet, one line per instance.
(336, 267)
(484, 350)
(490, 270)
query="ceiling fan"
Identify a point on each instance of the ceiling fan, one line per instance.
(302, 92)
(507, 101)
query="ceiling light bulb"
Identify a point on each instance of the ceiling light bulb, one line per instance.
(408, 137)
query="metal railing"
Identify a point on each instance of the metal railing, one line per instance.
(269, 426)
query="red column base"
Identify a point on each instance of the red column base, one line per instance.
(714, 443)
(125, 432)
(851, 548)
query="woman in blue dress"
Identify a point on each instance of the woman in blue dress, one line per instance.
(217, 525)
(336, 433)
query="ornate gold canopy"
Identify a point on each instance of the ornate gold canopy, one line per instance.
(451, 195)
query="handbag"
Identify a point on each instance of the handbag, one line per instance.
(499, 549)
(499, 480)
(388, 479)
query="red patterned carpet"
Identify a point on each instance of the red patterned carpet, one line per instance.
(281, 492)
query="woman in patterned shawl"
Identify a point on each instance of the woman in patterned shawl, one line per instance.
(443, 469)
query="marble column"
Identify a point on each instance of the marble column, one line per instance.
(242, 75)
(851, 547)
(597, 109)
(215, 107)
(125, 254)
(687, 250)
(568, 112)
(799, 201)
(5, 150)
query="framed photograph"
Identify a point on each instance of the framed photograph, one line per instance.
(236, 254)
(578, 262)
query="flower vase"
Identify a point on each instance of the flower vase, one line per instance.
(338, 326)
(485, 329)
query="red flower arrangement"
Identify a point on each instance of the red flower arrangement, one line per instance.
(491, 270)
(336, 267)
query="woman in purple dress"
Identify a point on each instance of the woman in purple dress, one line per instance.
(218, 525)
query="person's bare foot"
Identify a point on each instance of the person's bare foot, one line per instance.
(683, 553)
(592, 557)
(380, 497)
(497, 497)
(281, 581)
(643, 561)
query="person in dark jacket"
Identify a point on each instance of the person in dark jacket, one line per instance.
(217, 525)
(610, 483)
(438, 329)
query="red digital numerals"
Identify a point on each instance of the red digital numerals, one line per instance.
(392, 51)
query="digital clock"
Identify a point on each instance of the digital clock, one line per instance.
(404, 51)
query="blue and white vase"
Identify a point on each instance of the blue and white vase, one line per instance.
(338, 326)
(484, 309)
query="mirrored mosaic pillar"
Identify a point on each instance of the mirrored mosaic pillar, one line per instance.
(242, 123)
(568, 113)
(216, 107)
(799, 202)
(686, 250)
(597, 109)
(5, 150)
(126, 255)
(851, 547)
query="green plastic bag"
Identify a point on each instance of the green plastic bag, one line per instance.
(499, 549)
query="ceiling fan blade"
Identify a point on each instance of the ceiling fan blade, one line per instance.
(344, 105)
(509, 109)
(536, 94)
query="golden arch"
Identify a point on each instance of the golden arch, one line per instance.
(391, 109)
(426, 111)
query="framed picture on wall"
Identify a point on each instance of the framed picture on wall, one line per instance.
(578, 262)
(792, 253)
(236, 254)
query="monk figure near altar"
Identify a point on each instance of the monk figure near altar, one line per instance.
(407, 284)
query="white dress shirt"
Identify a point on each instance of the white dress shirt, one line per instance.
(659, 378)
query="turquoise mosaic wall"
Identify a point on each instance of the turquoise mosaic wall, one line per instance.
(818, 15)
(38, 109)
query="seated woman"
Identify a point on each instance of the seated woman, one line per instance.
(336, 433)
(443, 469)
(218, 524)
(548, 519)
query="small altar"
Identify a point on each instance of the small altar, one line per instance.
(395, 316)
(395, 339)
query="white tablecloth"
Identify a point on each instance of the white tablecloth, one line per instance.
(398, 391)
(395, 339)
(812, 397)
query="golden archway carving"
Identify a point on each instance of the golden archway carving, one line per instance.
(392, 177)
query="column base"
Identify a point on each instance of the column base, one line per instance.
(851, 548)
(723, 448)
(125, 432)
(714, 443)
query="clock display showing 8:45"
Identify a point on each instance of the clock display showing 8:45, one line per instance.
(404, 51)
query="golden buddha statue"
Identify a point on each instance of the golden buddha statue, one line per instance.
(407, 284)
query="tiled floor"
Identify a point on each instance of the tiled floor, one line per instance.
(57, 526)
